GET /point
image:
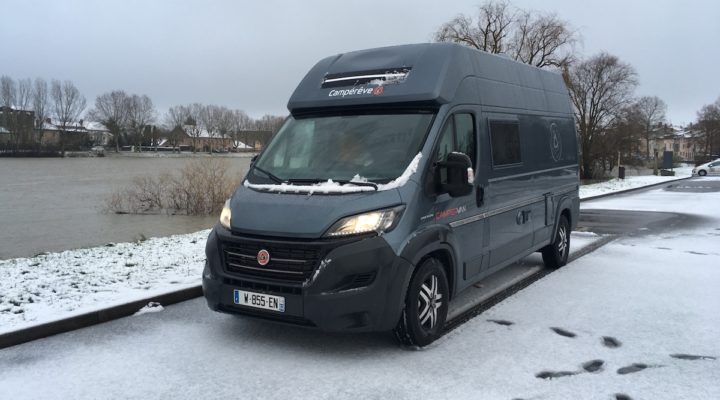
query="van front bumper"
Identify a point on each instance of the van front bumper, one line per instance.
(351, 284)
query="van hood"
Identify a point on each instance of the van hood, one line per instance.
(300, 215)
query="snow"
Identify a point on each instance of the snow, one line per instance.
(647, 299)
(60, 285)
(335, 187)
(631, 182)
(654, 296)
(151, 307)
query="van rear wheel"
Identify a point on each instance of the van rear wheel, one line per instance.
(555, 255)
(426, 305)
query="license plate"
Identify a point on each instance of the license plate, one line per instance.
(259, 300)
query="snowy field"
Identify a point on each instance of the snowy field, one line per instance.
(59, 285)
(637, 319)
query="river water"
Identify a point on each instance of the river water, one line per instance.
(53, 204)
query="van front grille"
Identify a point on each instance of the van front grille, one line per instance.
(293, 263)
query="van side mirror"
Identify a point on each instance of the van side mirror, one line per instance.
(457, 166)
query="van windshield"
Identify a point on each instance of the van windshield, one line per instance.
(361, 148)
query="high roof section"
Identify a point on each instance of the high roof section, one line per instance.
(428, 74)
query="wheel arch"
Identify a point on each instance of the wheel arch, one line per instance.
(436, 243)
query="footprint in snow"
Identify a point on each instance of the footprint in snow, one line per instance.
(635, 367)
(611, 342)
(593, 366)
(692, 357)
(501, 322)
(622, 396)
(547, 375)
(563, 332)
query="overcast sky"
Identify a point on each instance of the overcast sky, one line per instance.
(251, 54)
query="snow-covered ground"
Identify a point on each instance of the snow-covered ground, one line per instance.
(60, 285)
(637, 319)
(631, 182)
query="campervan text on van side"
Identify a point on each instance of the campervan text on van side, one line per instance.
(402, 176)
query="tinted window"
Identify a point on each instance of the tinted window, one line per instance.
(465, 130)
(505, 138)
(447, 141)
(458, 135)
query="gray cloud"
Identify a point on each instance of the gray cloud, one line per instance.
(251, 54)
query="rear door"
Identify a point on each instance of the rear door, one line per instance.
(508, 196)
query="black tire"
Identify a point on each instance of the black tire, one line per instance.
(426, 305)
(702, 172)
(555, 255)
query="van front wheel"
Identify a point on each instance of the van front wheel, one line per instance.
(426, 305)
(555, 255)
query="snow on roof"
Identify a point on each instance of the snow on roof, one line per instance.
(95, 126)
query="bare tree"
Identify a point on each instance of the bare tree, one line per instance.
(241, 124)
(652, 113)
(67, 105)
(40, 103)
(174, 119)
(708, 120)
(532, 37)
(8, 91)
(208, 120)
(191, 124)
(23, 116)
(8, 96)
(489, 32)
(112, 109)
(140, 114)
(599, 87)
(542, 40)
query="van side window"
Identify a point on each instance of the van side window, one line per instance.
(505, 140)
(465, 134)
(458, 134)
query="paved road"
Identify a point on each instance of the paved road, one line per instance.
(622, 222)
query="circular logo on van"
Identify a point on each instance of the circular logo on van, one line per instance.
(263, 257)
(378, 90)
(555, 143)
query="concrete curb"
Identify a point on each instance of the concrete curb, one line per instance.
(94, 317)
(124, 310)
(600, 196)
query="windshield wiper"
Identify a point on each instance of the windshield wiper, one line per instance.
(269, 175)
(340, 181)
(359, 183)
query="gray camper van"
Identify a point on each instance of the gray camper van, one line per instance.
(404, 175)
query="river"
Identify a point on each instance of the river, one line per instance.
(54, 204)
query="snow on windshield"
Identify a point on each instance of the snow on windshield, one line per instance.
(331, 186)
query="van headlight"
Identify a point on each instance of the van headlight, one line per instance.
(226, 215)
(379, 221)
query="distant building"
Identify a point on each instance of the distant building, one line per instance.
(16, 126)
(76, 134)
(685, 143)
(202, 140)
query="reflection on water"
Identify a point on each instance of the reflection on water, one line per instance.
(53, 204)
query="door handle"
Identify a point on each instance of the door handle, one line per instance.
(480, 196)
